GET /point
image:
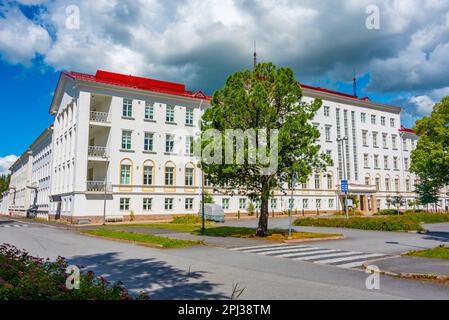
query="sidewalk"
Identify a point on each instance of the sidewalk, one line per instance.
(413, 267)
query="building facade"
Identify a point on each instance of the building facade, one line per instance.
(122, 146)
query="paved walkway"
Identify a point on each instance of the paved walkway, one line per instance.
(413, 265)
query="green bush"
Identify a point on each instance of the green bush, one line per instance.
(23, 277)
(388, 212)
(187, 219)
(380, 223)
(428, 217)
(251, 209)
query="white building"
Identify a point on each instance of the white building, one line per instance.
(122, 145)
(30, 180)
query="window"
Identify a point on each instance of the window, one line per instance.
(327, 111)
(147, 175)
(375, 139)
(168, 204)
(189, 177)
(189, 146)
(147, 204)
(149, 111)
(366, 160)
(386, 162)
(394, 142)
(396, 184)
(387, 184)
(407, 185)
(318, 203)
(189, 204)
(392, 123)
(170, 114)
(384, 140)
(242, 204)
(126, 140)
(148, 144)
(317, 182)
(125, 174)
(274, 204)
(395, 163)
(406, 164)
(257, 203)
(291, 204)
(376, 161)
(124, 204)
(373, 119)
(305, 203)
(378, 183)
(225, 204)
(189, 116)
(383, 121)
(127, 108)
(404, 142)
(331, 203)
(367, 181)
(365, 138)
(328, 134)
(330, 182)
(363, 117)
(169, 143)
(169, 176)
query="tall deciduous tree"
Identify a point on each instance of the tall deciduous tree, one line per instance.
(4, 183)
(266, 98)
(430, 159)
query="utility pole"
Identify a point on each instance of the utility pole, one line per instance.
(292, 186)
(203, 224)
(343, 140)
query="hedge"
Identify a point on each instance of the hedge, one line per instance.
(389, 223)
(23, 277)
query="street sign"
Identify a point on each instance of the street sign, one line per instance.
(344, 186)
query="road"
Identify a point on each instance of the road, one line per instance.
(209, 272)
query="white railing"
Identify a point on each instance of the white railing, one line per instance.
(100, 152)
(98, 186)
(103, 117)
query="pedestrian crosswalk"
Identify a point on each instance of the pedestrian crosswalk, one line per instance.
(334, 257)
(15, 225)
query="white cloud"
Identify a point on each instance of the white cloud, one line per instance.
(424, 103)
(6, 163)
(20, 38)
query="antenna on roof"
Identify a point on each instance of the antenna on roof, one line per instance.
(255, 54)
(355, 84)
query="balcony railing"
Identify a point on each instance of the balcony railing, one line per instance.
(98, 186)
(102, 117)
(98, 152)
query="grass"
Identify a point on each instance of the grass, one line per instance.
(142, 238)
(441, 252)
(233, 232)
(388, 223)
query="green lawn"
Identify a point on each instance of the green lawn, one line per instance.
(441, 252)
(142, 238)
(235, 232)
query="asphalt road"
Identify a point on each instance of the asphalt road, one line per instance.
(207, 272)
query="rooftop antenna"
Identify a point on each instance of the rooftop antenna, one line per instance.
(355, 84)
(255, 54)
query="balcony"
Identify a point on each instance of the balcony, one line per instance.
(100, 117)
(98, 152)
(98, 187)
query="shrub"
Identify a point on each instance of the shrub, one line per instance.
(389, 212)
(251, 209)
(23, 277)
(427, 217)
(187, 219)
(380, 223)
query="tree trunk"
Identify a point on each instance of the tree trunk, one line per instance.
(262, 229)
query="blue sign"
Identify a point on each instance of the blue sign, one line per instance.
(344, 186)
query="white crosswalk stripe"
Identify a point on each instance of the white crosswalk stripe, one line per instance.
(334, 257)
(13, 225)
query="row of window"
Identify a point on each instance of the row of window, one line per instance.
(148, 142)
(127, 112)
(363, 118)
(388, 180)
(147, 204)
(376, 162)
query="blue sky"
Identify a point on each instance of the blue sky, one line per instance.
(403, 63)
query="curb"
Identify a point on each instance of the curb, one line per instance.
(136, 243)
(313, 239)
(406, 275)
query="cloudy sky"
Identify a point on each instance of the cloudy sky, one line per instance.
(199, 42)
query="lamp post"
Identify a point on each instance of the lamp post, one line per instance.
(342, 141)
(292, 186)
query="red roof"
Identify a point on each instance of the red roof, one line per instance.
(404, 129)
(130, 81)
(328, 91)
